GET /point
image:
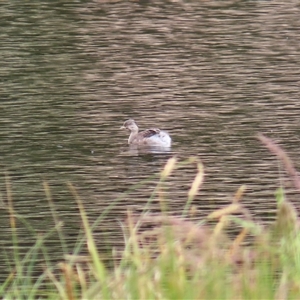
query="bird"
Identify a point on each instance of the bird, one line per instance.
(150, 137)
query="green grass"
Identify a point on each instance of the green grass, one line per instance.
(174, 259)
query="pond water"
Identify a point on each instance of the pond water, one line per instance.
(212, 73)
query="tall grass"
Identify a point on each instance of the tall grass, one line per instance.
(167, 257)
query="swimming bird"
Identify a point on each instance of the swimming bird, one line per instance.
(149, 137)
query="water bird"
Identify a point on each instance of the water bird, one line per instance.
(150, 137)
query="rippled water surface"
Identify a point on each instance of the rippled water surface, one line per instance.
(213, 74)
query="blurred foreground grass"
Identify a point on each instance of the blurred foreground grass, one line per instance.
(168, 257)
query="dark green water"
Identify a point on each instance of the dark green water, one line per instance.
(213, 74)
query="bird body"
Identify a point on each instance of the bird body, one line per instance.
(150, 137)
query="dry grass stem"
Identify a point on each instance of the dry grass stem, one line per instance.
(230, 209)
(197, 181)
(238, 195)
(169, 167)
(282, 155)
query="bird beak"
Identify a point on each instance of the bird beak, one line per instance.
(122, 127)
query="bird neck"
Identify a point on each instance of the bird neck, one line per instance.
(133, 135)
